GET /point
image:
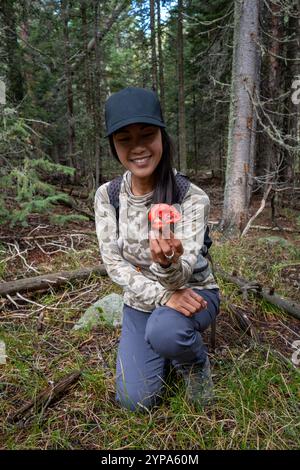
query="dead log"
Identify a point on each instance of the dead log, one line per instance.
(45, 281)
(45, 237)
(274, 229)
(48, 396)
(288, 305)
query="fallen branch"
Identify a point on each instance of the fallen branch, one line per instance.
(40, 237)
(288, 305)
(261, 208)
(242, 320)
(284, 229)
(46, 397)
(45, 281)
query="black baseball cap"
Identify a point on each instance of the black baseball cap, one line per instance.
(132, 105)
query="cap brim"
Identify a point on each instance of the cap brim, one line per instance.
(141, 119)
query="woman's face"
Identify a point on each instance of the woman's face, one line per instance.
(139, 148)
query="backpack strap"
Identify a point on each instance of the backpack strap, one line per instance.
(113, 190)
(183, 184)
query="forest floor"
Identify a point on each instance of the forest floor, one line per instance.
(257, 386)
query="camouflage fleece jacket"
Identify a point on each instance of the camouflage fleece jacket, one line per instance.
(126, 254)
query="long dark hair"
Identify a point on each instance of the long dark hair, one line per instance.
(166, 189)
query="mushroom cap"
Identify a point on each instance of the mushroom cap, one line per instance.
(163, 214)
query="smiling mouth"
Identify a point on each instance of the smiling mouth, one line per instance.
(141, 160)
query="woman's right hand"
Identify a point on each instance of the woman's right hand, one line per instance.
(187, 302)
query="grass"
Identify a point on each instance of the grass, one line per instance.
(261, 261)
(256, 386)
(257, 407)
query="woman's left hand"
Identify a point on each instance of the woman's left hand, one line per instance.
(160, 246)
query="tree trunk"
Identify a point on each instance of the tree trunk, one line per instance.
(65, 11)
(254, 131)
(97, 97)
(273, 149)
(292, 73)
(87, 72)
(87, 162)
(28, 68)
(160, 61)
(181, 106)
(195, 129)
(241, 123)
(153, 45)
(14, 86)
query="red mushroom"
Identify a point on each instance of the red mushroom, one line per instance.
(161, 215)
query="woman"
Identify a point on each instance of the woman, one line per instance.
(166, 305)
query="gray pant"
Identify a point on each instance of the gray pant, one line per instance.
(153, 342)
